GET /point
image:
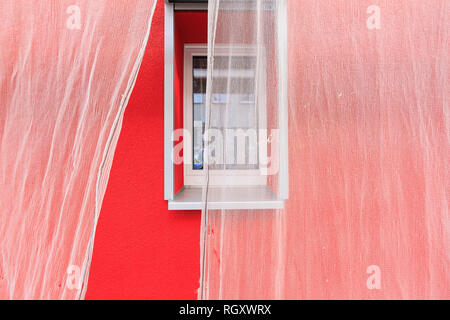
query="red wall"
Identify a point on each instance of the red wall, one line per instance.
(190, 27)
(142, 250)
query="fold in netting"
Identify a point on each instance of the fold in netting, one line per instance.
(368, 150)
(66, 73)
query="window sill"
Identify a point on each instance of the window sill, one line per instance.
(230, 198)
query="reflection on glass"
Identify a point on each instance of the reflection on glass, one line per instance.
(199, 97)
(233, 111)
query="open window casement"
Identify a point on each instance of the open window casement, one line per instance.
(233, 137)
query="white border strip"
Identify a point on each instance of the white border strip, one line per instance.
(168, 100)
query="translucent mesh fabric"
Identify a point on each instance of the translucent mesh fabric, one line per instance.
(67, 69)
(369, 132)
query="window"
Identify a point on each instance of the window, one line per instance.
(247, 133)
(236, 131)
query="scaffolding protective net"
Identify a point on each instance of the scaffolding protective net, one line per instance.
(365, 86)
(67, 69)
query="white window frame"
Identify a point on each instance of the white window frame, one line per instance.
(218, 177)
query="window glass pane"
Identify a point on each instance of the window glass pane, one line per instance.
(199, 100)
(234, 111)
